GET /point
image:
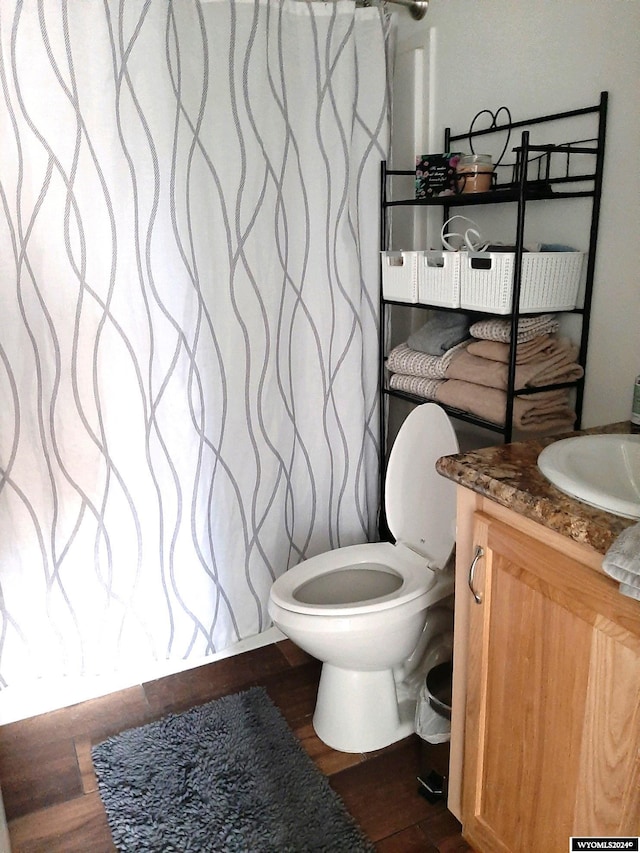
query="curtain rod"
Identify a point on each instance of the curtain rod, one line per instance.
(417, 8)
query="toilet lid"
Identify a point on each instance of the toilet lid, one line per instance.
(421, 504)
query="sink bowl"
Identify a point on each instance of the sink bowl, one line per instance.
(600, 470)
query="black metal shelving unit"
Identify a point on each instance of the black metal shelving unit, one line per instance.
(536, 177)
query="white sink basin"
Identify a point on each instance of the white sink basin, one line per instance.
(600, 470)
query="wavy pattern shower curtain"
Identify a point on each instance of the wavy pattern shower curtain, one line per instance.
(188, 333)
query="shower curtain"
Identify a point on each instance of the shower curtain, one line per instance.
(188, 327)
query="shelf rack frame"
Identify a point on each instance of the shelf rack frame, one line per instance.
(520, 190)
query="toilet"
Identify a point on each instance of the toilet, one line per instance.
(362, 609)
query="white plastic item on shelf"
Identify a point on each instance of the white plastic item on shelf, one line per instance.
(439, 278)
(400, 276)
(550, 281)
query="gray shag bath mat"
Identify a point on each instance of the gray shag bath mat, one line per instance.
(228, 776)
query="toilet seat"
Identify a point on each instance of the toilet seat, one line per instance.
(420, 504)
(420, 507)
(415, 578)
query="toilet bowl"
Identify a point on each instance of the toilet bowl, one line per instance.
(361, 609)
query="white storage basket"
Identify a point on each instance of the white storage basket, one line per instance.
(400, 276)
(550, 281)
(439, 278)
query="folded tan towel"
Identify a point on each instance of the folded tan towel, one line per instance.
(559, 366)
(494, 329)
(420, 386)
(537, 347)
(547, 410)
(411, 362)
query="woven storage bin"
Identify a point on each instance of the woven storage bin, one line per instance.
(400, 276)
(550, 281)
(439, 278)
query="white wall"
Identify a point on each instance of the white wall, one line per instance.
(539, 57)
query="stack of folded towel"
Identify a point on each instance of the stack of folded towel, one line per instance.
(419, 366)
(472, 374)
(622, 561)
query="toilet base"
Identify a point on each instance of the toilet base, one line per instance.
(359, 711)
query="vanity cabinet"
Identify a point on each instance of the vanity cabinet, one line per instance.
(546, 702)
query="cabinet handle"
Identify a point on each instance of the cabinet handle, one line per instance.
(472, 568)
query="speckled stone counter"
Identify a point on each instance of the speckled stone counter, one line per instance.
(509, 475)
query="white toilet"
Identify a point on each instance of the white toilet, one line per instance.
(361, 609)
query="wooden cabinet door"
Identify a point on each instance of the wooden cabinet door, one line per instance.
(552, 731)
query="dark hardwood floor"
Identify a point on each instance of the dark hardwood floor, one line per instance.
(50, 791)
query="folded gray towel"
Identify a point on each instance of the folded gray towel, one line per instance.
(622, 561)
(442, 331)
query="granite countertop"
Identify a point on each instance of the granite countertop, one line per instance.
(509, 475)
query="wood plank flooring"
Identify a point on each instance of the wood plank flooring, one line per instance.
(50, 790)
